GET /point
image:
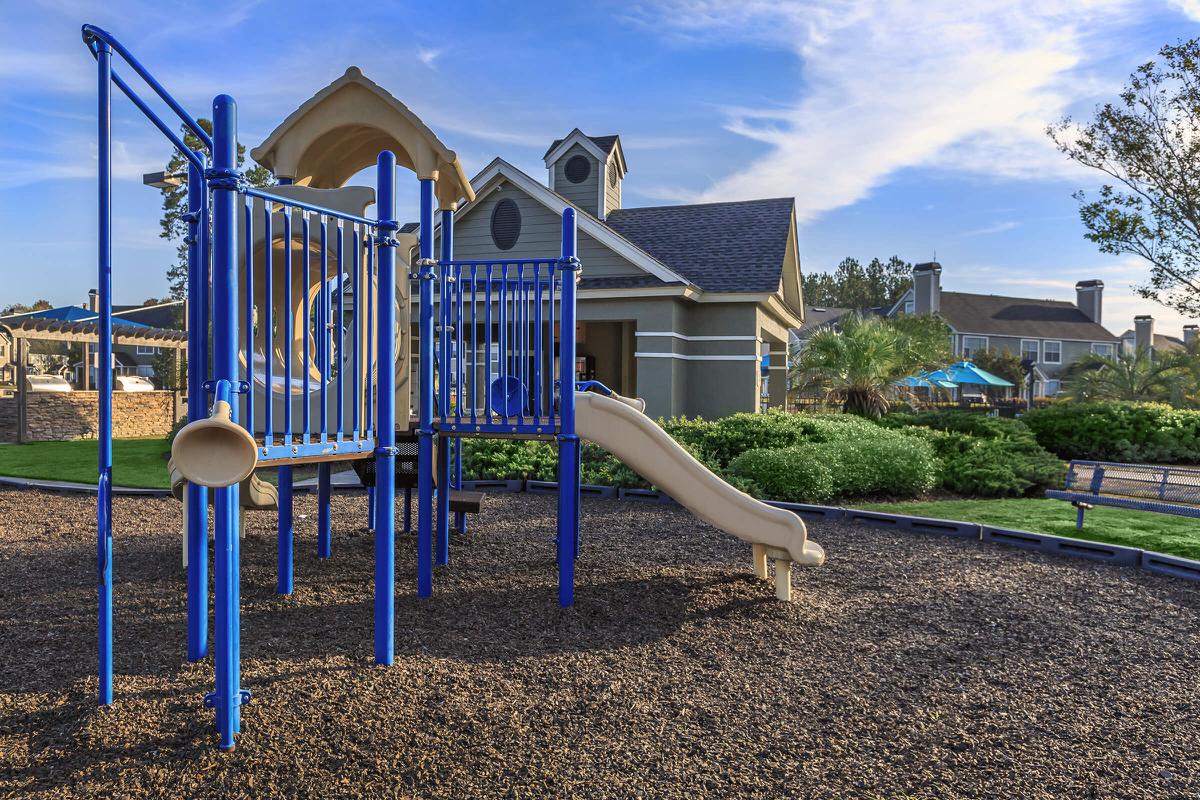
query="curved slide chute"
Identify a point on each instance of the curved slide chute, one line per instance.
(618, 425)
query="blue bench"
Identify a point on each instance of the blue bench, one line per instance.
(1138, 487)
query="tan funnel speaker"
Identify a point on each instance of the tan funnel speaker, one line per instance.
(216, 451)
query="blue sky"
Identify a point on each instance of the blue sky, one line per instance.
(908, 128)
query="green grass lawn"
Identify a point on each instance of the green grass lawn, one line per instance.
(138, 463)
(1162, 533)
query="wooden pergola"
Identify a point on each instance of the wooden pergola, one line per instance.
(23, 331)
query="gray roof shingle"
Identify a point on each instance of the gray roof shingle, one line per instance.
(723, 247)
(1020, 316)
(605, 143)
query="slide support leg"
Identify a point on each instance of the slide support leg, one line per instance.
(759, 553)
(783, 579)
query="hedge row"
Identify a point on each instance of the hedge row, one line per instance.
(1118, 431)
(815, 458)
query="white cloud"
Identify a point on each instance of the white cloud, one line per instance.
(428, 55)
(890, 84)
(996, 227)
(1190, 8)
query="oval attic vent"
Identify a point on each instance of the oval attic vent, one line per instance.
(506, 224)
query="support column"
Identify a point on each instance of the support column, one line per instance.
(777, 374)
(425, 459)
(228, 697)
(568, 441)
(324, 521)
(104, 284)
(196, 496)
(385, 456)
(286, 532)
(455, 467)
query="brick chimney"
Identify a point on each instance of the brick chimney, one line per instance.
(1189, 334)
(927, 288)
(1089, 297)
(1143, 333)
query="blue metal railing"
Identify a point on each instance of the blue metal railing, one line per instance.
(498, 346)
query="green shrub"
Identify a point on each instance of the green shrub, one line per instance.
(885, 464)
(1118, 431)
(1004, 466)
(979, 425)
(509, 459)
(791, 474)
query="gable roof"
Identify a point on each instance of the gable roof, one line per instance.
(602, 233)
(1162, 342)
(724, 247)
(604, 143)
(992, 314)
(820, 317)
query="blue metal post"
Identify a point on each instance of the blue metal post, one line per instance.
(568, 441)
(385, 455)
(104, 374)
(425, 401)
(283, 566)
(460, 518)
(448, 336)
(196, 495)
(324, 523)
(227, 699)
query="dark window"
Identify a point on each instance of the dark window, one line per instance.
(506, 224)
(577, 169)
(612, 175)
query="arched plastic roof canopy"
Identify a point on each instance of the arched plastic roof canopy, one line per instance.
(342, 129)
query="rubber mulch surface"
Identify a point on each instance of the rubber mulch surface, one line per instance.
(909, 666)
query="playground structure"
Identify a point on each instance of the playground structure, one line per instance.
(297, 305)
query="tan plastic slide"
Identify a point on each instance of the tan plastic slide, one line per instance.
(255, 494)
(618, 425)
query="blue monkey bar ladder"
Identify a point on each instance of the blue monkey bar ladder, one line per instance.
(328, 400)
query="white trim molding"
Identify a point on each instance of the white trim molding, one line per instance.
(688, 357)
(687, 338)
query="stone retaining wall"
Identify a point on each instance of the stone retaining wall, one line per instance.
(55, 416)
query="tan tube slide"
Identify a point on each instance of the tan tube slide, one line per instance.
(617, 424)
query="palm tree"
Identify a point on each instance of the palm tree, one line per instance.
(857, 366)
(1140, 376)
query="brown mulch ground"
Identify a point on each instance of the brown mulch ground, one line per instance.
(910, 666)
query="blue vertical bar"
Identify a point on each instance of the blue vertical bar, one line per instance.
(196, 495)
(286, 312)
(225, 368)
(306, 312)
(385, 455)
(324, 520)
(568, 442)
(369, 417)
(451, 322)
(537, 343)
(474, 344)
(248, 310)
(283, 565)
(487, 346)
(266, 321)
(323, 329)
(340, 327)
(104, 373)
(425, 404)
(356, 343)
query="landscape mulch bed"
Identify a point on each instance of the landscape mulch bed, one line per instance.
(908, 666)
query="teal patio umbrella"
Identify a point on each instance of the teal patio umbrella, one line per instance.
(964, 372)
